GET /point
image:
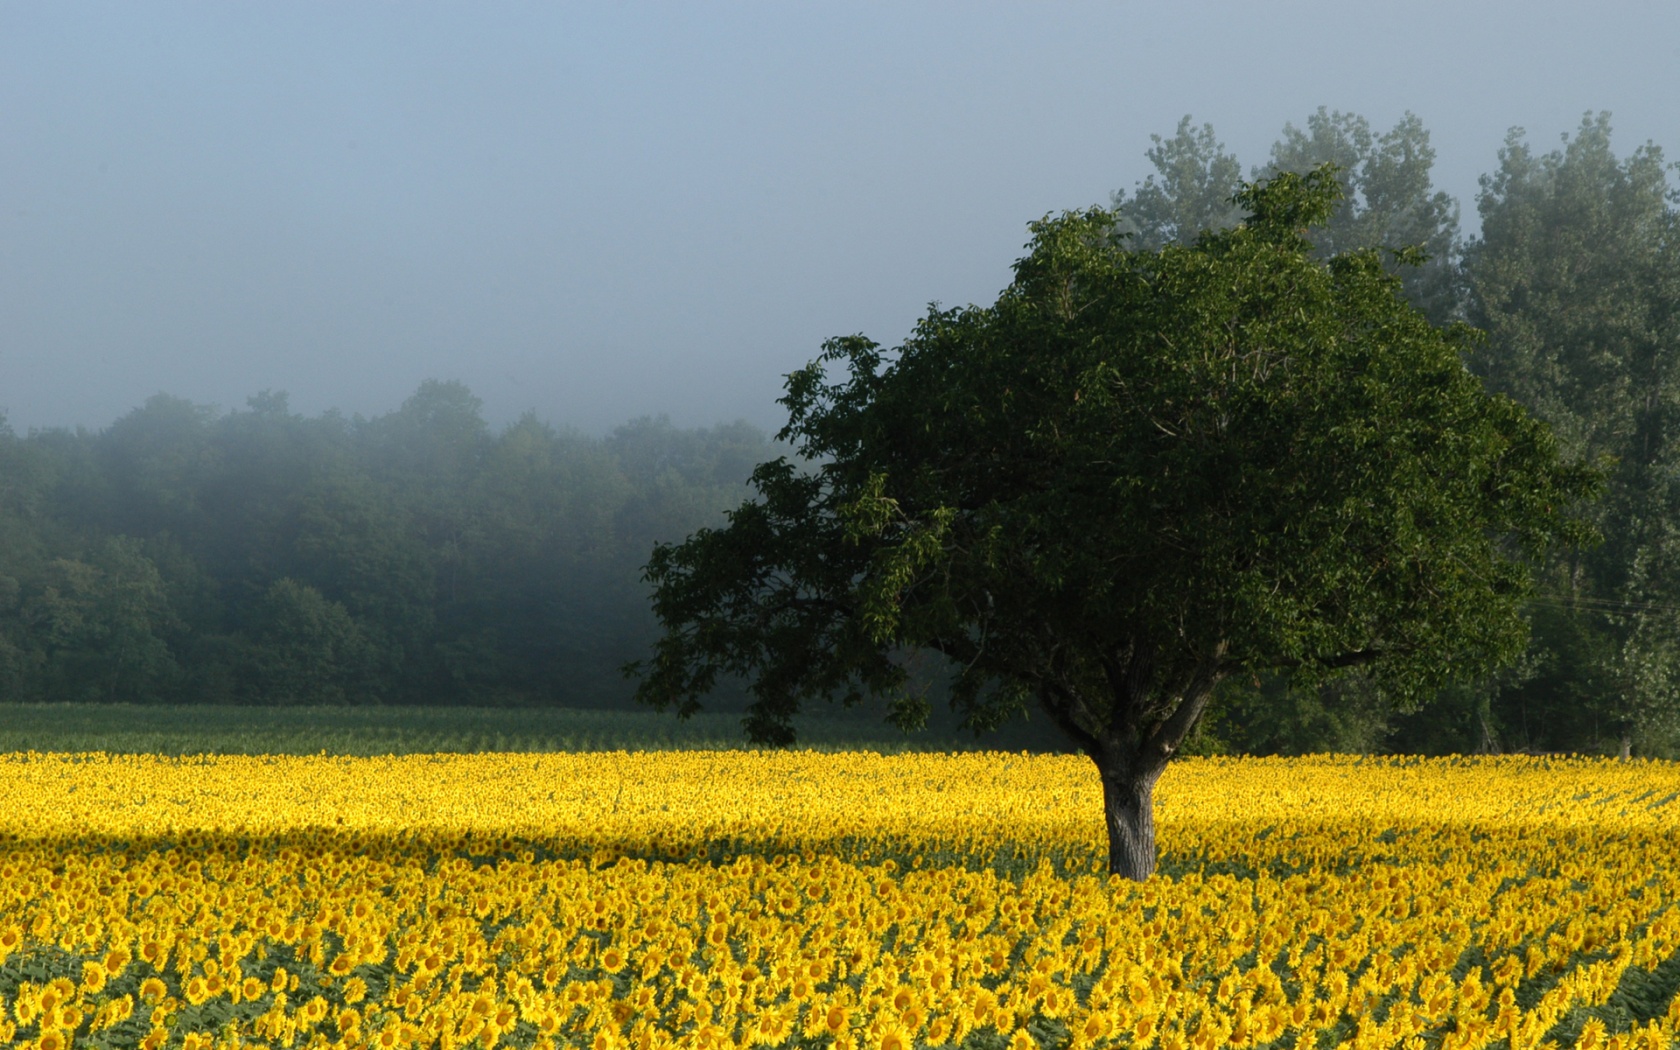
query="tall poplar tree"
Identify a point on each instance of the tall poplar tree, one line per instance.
(1576, 280)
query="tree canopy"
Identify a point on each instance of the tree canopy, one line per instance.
(1136, 474)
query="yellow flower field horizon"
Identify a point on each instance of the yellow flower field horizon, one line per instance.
(607, 795)
(738, 899)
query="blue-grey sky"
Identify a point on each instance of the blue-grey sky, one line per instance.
(605, 211)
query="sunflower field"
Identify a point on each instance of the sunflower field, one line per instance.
(851, 901)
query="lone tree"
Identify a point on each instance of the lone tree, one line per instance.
(1136, 474)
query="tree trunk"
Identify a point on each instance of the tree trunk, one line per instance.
(1131, 757)
(1489, 743)
(1129, 813)
(1627, 745)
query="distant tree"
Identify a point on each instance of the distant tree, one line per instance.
(308, 650)
(438, 436)
(1576, 280)
(430, 449)
(548, 600)
(356, 544)
(153, 460)
(101, 622)
(1388, 199)
(1136, 475)
(679, 476)
(24, 555)
(1190, 191)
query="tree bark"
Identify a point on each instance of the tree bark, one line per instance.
(1627, 745)
(1129, 813)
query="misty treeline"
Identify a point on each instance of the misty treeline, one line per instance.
(262, 557)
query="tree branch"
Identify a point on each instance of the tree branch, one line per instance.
(1164, 741)
(1089, 742)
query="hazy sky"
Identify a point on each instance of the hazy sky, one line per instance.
(605, 211)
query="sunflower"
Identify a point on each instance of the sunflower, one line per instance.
(1095, 1027)
(811, 1023)
(58, 990)
(897, 1037)
(1592, 1035)
(28, 1005)
(770, 1029)
(152, 989)
(196, 990)
(835, 1019)
(606, 1038)
(1651, 1037)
